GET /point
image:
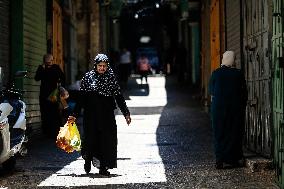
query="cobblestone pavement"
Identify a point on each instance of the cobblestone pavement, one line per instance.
(167, 145)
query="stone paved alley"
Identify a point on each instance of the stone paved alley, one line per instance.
(168, 145)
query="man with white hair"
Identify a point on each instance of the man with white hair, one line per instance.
(228, 92)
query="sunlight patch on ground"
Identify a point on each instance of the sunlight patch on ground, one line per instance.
(138, 158)
(157, 94)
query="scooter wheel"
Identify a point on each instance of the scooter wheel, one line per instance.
(9, 165)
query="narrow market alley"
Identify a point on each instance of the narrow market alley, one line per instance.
(167, 145)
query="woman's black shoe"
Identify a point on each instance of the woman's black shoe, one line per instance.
(87, 166)
(104, 172)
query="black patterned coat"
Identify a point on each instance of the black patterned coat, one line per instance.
(100, 96)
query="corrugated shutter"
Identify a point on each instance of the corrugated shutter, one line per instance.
(233, 29)
(4, 36)
(34, 47)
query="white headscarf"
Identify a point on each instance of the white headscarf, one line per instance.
(228, 59)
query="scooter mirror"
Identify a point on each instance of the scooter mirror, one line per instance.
(20, 74)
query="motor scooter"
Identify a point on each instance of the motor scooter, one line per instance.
(13, 139)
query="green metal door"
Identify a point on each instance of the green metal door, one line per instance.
(278, 61)
(257, 67)
(4, 42)
(28, 45)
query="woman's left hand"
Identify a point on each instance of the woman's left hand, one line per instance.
(71, 119)
(128, 119)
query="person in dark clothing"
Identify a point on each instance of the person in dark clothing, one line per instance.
(100, 93)
(228, 91)
(50, 76)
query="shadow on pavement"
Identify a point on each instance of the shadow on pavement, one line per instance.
(184, 136)
(91, 175)
(134, 88)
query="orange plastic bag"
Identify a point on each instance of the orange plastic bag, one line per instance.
(68, 138)
(75, 141)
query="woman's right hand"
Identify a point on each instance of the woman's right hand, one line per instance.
(128, 119)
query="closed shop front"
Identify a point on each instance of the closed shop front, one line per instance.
(4, 36)
(277, 88)
(257, 66)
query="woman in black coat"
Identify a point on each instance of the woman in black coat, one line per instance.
(100, 93)
(229, 95)
(50, 76)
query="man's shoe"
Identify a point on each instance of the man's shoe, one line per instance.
(96, 162)
(219, 165)
(104, 172)
(87, 166)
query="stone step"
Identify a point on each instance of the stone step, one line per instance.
(258, 164)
